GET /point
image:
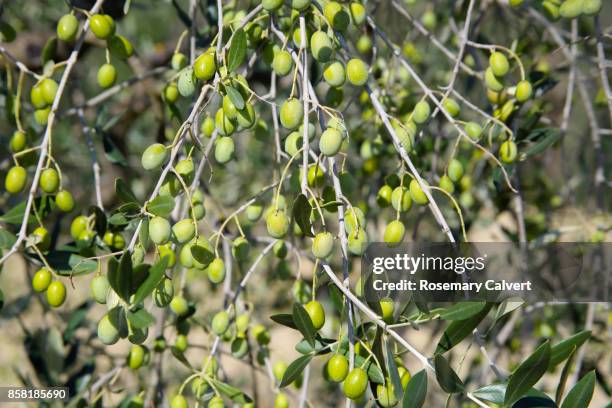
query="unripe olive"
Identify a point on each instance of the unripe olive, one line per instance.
(421, 112)
(400, 199)
(56, 293)
(524, 91)
(280, 249)
(120, 46)
(452, 107)
(163, 293)
(18, 141)
(321, 46)
(102, 26)
(571, 8)
(216, 271)
(159, 230)
(322, 245)
(278, 369)
(41, 116)
(551, 8)
(291, 113)
(36, 97)
(108, 333)
(386, 310)
(208, 126)
(353, 219)
(357, 241)
(330, 142)
(404, 375)
(107, 75)
(78, 225)
(253, 212)
(591, 7)
(282, 63)
(384, 196)
(358, 13)
(242, 322)
(336, 16)
(154, 156)
(429, 19)
(184, 230)
(171, 92)
(364, 44)
(473, 130)
(229, 109)
(385, 395)
(48, 89)
(15, 180)
(64, 201)
(281, 400)
(508, 152)
(417, 193)
(315, 176)
(225, 126)
(178, 401)
(394, 232)
(446, 184)
(337, 368)
(334, 73)
(178, 61)
(49, 180)
(499, 64)
(261, 334)
(357, 72)
(205, 66)
(316, 312)
(277, 223)
(455, 170)
(293, 143)
(136, 356)
(114, 240)
(493, 82)
(355, 383)
(272, 5)
(100, 288)
(406, 134)
(67, 28)
(180, 343)
(179, 305)
(165, 251)
(44, 239)
(220, 323)
(186, 82)
(41, 280)
(224, 149)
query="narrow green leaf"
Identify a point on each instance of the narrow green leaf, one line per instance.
(231, 392)
(237, 51)
(285, 319)
(294, 370)
(527, 374)
(547, 139)
(49, 50)
(156, 273)
(162, 205)
(125, 276)
(580, 396)
(302, 320)
(462, 310)
(320, 347)
(111, 151)
(564, 348)
(447, 378)
(118, 219)
(495, 393)
(460, 329)
(113, 274)
(301, 213)
(392, 369)
(202, 254)
(7, 238)
(235, 97)
(416, 391)
(564, 375)
(507, 306)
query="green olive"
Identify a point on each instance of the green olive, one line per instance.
(272, 5)
(282, 63)
(473, 130)
(394, 232)
(178, 61)
(136, 356)
(246, 117)
(334, 73)
(277, 223)
(43, 237)
(358, 12)
(107, 75)
(15, 180)
(337, 368)
(336, 15)
(49, 180)
(225, 125)
(281, 400)
(220, 323)
(357, 72)
(67, 28)
(417, 193)
(421, 112)
(591, 7)
(154, 156)
(321, 46)
(400, 199)
(508, 152)
(499, 64)
(18, 141)
(102, 26)
(293, 143)
(64, 201)
(452, 107)
(163, 293)
(120, 46)
(446, 184)
(108, 333)
(216, 271)
(179, 305)
(41, 280)
(355, 383)
(524, 91)
(253, 212)
(571, 8)
(316, 312)
(493, 82)
(184, 230)
(205, 66)
(178, 401)
(241, 248)
(322, 245)
(291, 113)
(455, 170)
(330, 142)
(224, 149)
(100, 288)
(48, 89)
(353, 219)
(56, 293)
(186, 82)
(159, 230)
(385, 395)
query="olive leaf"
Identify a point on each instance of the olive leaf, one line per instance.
(156, 273)
(124, 192)
(235, 97)
(140, 318)
(301, 213)
(294, 370)
(528, 373)
(416, 391)
(237, 50)
(458, 330)
(285, 319)
(447, 378)
(462, 310)
(580, 396)
(231, 392)
(162, 205)
(564, 348)
(7, 239)
(302, 320)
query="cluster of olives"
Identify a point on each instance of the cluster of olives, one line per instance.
(55, 289)
(568, 9)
